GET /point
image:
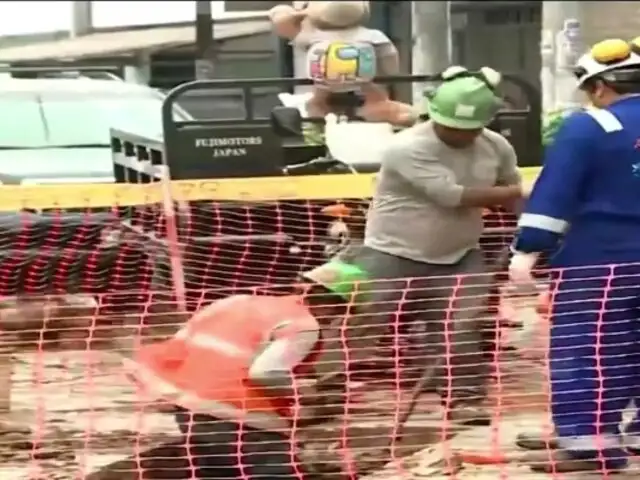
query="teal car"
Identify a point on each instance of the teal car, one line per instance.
(56, 130)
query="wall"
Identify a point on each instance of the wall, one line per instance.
(480, 38)
(262, 41)
(245, 57)
(610, 19)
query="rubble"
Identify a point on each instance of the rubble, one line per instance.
(78, 322)
(73, 413)
(82, 414)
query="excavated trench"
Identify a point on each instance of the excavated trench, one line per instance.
(368, 445)
(62, 443)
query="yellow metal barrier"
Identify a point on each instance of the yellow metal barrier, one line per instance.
(316, 187)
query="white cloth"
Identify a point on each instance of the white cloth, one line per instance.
(521, 266)
(282, 355)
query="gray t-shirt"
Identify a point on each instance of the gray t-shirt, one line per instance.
(416, 212)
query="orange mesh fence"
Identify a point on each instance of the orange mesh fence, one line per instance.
(75, 413)
(74, 409)
(84, 289)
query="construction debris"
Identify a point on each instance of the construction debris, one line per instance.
(85, 419)
(50, 456)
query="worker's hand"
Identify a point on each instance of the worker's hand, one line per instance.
(521, 266)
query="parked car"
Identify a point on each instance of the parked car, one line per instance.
(56, 130)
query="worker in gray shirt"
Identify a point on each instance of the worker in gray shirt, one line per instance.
(423, 228)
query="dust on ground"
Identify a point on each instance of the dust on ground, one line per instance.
(83, 414)
(74, 412)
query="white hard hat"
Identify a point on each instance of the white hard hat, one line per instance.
(609, 55)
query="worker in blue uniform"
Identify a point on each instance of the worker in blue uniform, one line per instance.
(585, 207)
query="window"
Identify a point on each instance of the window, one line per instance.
(86, 118)
(21, 122)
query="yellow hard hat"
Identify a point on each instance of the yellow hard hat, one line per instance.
(606, 56)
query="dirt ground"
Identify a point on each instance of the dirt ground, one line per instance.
(73, 413)
(84, 416)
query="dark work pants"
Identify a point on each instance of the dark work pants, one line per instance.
(449, 303)
(222, 449)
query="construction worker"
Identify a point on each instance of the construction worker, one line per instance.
(422, 232)
(333, 290)
(588, 195)
(232, 374)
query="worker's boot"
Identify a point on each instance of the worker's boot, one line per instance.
(563, 461)
(536, 441)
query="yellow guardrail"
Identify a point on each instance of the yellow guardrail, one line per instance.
(316, 187)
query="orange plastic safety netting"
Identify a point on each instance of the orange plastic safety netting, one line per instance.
(82, 289)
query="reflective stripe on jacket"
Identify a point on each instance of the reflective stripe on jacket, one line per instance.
(204, 367)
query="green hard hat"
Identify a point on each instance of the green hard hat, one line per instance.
(466, 103)
(338, 277)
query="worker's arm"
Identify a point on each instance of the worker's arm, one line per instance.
(555, 195)
(273, 367)
(509, 173)
(426, 173)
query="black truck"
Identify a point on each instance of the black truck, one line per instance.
(231, 245)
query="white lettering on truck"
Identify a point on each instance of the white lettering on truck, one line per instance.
(228, 146)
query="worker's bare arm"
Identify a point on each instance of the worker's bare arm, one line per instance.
(437, 182)
(273, 367)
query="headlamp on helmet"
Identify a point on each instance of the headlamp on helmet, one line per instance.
(612, 60)
(489, 76)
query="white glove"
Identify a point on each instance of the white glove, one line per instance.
(520, 267)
